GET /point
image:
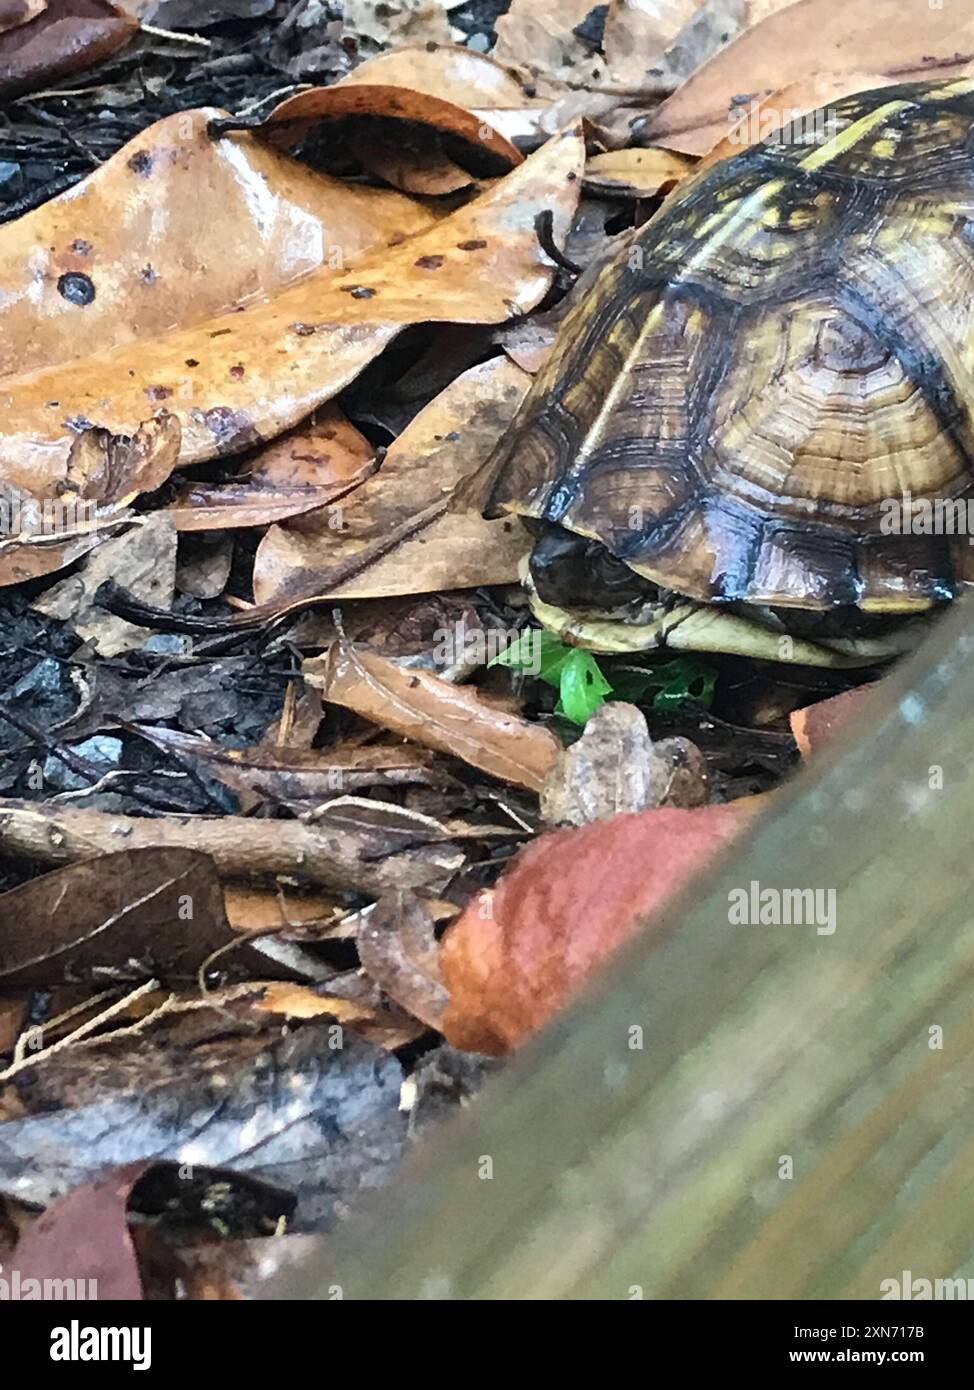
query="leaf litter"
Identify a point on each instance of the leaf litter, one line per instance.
(293, 788)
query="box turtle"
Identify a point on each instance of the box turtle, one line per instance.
(754, 433)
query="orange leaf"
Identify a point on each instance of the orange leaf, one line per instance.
(815, 726)
(254, 374)
(430, 711)
(516, 955)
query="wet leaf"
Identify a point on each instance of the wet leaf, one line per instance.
(126, 255)
(262, 371)
(432, 712)
(445, 442)
(517, 955)
(360, 109)
(635, 173)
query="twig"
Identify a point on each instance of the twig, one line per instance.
(339, 855)
(112, 1011)
(157, 33)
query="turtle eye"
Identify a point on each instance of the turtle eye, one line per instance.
(569, 571)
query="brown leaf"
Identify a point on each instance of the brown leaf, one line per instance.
(301, 1001)
(537, 37)
(774, 112)
(816, 726)
(112, 470)
(64, 37)
(472, 79)
(126, 255)
(398, 949)
(294, 119)
(21, 561)
(517, 955)
(635, 173)
(291, 776)
(908, 43)
(203, 565)
(434, 713)
(84, 1237)
(263, 370)
(303, 470)
(162, 907)
(251, 908)
(445, 442)
(16, 12)
(670, 39)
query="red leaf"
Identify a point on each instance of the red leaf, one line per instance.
(817, 725)
(515, 955)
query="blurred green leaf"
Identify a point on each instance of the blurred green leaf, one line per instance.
(583, 687)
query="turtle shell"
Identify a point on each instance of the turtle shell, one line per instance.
(777, 371)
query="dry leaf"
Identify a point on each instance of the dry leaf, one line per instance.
(292, 776)
(261, 371)
(142, 561)
(301, 1001)
(907, 42)
(434, 713)
(615, 766)
(141, 244)
(445, 442)
(63, 37)
(394, 21)
(517, 955)
(85, 1235)
(537, 38)
(398, 949)
(471, 79)
(250, 908)
(160, 907)
(203, 565)
(635, 173)
(661, 42)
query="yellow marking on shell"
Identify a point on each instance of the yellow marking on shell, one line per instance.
(957, 88)
(852, 135)
(885, 148)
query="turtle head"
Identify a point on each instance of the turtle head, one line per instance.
(574, 572)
